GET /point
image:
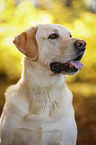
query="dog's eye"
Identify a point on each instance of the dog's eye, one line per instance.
(53, 36)
(70, 35)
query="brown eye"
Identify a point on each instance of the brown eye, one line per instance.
(70, 35)
(53, 36)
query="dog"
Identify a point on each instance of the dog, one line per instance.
(38, 109)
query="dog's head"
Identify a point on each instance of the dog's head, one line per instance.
(53, 46)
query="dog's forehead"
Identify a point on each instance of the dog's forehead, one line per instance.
(52, 28)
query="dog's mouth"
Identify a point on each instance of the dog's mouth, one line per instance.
(70, 67)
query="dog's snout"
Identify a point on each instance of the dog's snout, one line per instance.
(80, 44)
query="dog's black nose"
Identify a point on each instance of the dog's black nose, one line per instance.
(80, 44)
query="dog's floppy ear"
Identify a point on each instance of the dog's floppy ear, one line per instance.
(26, 43)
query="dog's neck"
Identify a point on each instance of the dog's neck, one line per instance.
(36, 74)
(44, 88)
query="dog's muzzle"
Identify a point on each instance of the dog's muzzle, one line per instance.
(72, 66)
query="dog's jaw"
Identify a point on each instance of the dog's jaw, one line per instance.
(62, 68)
(71, 67)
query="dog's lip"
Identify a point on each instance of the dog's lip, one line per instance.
(79, 56)
(69, 67)
(76, 62)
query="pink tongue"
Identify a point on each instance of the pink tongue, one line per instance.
(77, 64)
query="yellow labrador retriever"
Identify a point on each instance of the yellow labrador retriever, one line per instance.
(38, 109)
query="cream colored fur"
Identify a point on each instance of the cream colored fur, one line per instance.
(38, 109)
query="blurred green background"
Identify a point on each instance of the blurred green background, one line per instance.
(79, 16)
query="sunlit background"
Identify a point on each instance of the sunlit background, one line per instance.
(78, 16)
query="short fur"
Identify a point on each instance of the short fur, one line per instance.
(38, 109)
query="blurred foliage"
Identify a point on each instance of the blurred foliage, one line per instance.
(16, 18)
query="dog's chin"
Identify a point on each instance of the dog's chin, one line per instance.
(63, 68)
(71, 67)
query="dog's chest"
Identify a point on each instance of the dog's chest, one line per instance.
(46, 104)
(35, 131)
(40, 126)
(37, 137)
